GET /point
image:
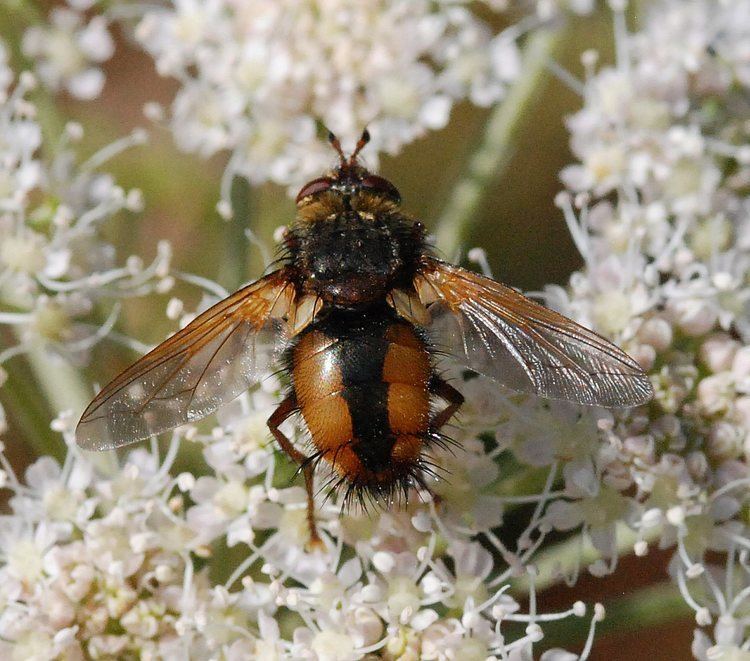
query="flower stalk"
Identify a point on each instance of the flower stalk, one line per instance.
(498, 142)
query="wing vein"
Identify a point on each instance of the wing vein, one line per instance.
(183, 379)
(523, 345)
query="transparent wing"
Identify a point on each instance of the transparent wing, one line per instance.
(500, 333)
(206, 364)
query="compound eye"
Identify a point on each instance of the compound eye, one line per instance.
(313, 187)
(381, 186)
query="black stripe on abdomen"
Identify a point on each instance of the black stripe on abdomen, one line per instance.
(368, 408)
(361, 363)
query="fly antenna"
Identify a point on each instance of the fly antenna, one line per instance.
(363, 140)
(336, 144)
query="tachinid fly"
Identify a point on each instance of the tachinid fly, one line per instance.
(360, 303)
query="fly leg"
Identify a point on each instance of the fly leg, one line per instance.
(446, 391)
(284, 410)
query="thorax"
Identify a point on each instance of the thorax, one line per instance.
(352, 255)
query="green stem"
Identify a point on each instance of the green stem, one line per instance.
(497, 145)
(65, 390)
(233, 270)
(571, 552)
(646, 608)
(654, 605)
(519, 479)
(27, 412)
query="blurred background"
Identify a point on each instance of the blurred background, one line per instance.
(516, 222)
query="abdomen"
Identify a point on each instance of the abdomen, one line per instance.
(361, 385)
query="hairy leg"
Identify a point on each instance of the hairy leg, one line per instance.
(284, 410)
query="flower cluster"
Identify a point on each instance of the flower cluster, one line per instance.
(255, 77)
(54, 264)
(131, 560)
(659, 208)
(69, 49)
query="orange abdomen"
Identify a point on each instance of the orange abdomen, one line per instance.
(362, 388)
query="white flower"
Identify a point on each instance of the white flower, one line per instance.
(68, 51)
(473, 565)
(666, 271)
(54, 265)
(333, 646)
(465, 487)
(256, 76)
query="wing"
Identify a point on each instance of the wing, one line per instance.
(494, 330)
(206, 364)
